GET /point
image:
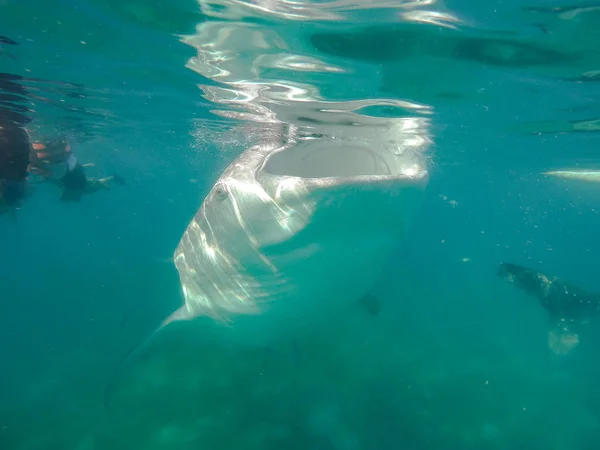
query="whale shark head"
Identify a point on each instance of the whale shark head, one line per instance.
(296, 227)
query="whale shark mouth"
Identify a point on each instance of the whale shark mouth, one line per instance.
(342, 160)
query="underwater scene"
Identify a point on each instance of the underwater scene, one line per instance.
(299, 225)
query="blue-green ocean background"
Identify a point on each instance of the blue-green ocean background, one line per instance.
(457, 359)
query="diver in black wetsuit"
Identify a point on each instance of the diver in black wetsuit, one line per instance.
(15, 144)
(569, 307)
(50, 157)
(15, 147)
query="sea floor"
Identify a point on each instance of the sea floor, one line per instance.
(361, 382)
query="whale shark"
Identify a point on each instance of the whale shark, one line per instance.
(292, 229)
(568, 306)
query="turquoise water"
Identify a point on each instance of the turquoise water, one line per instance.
(500, 92)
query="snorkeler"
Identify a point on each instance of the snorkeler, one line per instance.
(15, 147)
(75, 183)
(49, 156)
(15, 143)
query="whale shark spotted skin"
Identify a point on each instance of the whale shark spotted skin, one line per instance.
(292, 229)
(568, 306)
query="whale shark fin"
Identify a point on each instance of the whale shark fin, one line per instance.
(182, 313)
(562, 336)
(179, 314)
(112, 380)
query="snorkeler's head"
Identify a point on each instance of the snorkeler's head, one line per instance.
(60, 143)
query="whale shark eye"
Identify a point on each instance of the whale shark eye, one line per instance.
(220, 192)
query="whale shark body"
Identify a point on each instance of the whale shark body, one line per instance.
(301, 225)
(569, 307)
(293, 229)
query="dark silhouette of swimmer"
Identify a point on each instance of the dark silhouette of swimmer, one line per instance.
(16, 152)
(75, 184)
(15, 143)
(568, 306)
(14, 160)
(51, 155)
